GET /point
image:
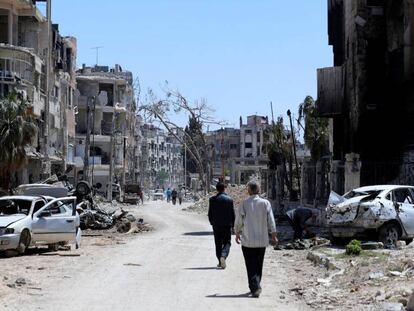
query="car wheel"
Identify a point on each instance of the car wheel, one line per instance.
(53, 247)
(389, 235)
(24, 242)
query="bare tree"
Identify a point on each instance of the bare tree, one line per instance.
(174, 102)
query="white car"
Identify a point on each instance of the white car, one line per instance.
(37, 220)
(158, 195)
(384, 212)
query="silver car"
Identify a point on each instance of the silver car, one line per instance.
(385, 212)
(33, 220)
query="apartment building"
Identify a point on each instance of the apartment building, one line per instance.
(37, 62)
(162, 160)
(105, 126)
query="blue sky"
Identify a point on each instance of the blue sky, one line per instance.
(238, 54)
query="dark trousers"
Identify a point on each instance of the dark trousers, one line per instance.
(297, 227)
(222, 239)
(254, 258)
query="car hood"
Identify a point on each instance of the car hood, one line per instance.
(6, 221)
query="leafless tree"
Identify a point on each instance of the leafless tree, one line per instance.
(160, 109)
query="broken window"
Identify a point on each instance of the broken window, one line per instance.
(403, 195)
(109, 89)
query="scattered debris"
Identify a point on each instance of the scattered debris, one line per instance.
(132, 264)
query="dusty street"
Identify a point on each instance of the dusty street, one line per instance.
(170, 268)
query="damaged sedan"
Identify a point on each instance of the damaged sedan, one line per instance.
(37, 220)
(384, 212)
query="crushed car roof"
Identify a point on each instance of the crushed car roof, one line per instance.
(20, 197)
(381, 187)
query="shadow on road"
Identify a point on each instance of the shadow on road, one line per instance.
(202, 268)
(200, 233)
(246, 295)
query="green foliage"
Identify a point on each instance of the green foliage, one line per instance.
(162, 177)
(17, 129)
(353, 248)
(194, 129)
(316, 134)
(279, 146)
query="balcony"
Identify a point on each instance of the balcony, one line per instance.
(330, 91)
(18, 65)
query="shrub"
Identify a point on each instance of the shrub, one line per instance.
(354, 248)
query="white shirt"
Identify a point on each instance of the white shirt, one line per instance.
(255, 220)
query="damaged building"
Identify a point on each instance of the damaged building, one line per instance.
(162, 160)
(37, 62)
(105, 126)
(239, 154)
(368, 93)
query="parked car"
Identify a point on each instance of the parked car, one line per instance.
(158, 194)
(133, 194)
(37, 220)
(385, 212)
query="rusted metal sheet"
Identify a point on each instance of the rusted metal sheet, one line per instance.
(330, 91)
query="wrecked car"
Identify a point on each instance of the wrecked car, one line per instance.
(37, 220)
(385, 212)
(133, 194)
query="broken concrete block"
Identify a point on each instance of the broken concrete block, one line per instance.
(393, 307)
(410, 303)
(372, 245)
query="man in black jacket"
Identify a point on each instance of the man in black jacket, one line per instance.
(221, 216)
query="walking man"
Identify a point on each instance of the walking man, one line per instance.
(221, 216)
(254, 222)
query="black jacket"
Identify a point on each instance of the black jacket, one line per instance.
(221, 210)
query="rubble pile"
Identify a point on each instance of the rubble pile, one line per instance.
(304, 244)
(377, 279)
(238, 193)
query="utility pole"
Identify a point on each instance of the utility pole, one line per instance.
(112, 158)
(222, 156)
(93, 140)
(273, 117)
(124, 164)
(185, 163)
(294, 148)
(87, 142)
(48, 80)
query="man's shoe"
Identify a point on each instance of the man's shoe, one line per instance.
(223, 263)
(257, 293)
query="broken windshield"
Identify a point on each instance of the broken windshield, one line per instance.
(12, 207)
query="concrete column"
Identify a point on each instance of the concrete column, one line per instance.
(409, 39)
(320, 184)
(337, 176)
(352, 171)
(308, 182)
(10, 27)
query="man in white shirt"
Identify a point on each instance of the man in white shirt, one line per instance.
(254, 222)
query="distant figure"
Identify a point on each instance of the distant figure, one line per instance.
(297, 219)
(141, 194)
(254, 222)
(174, 195)
(168, 193)
(221, 216)
(181, 195)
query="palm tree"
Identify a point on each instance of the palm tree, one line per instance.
(17, 129)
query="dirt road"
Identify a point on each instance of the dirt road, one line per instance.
(171, 268)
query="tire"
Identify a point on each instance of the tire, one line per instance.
(389, 235)
(53, 247)
(83, 188)
(24, 242)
